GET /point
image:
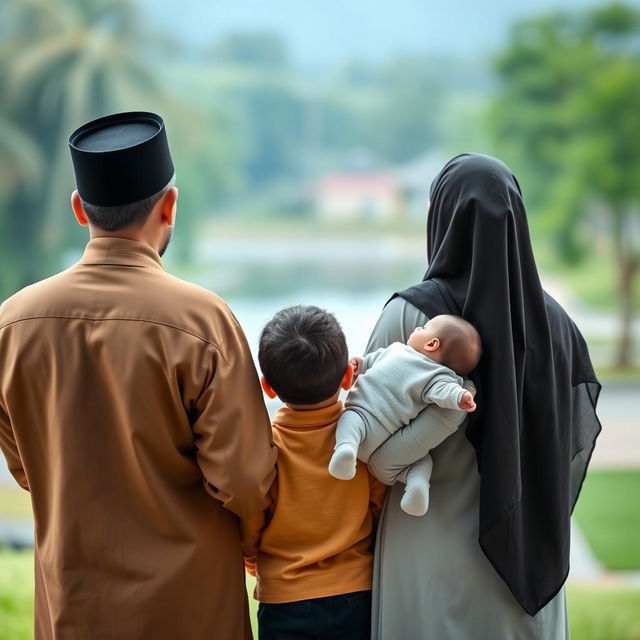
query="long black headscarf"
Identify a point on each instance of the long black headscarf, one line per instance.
(536, 425)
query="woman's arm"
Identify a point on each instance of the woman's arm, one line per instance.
(397, 320)
(407, 445)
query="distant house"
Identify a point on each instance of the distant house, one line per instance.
(357, 196)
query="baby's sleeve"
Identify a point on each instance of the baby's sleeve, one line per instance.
(445, 391)
(371, 358)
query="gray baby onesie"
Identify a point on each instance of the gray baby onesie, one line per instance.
(396, 384)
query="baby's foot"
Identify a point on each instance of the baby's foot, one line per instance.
(415, 500)
(343, 462)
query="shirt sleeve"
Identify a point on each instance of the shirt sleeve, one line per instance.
(370, 358)
(444, 392)
(377, 494)
(10, 449)
(251, 529)
(232, 430)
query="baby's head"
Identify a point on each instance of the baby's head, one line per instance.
(303, 356)
(449, 340)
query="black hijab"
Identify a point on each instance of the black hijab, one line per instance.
(536, 425)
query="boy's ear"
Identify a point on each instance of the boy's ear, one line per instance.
(432, 345)
(266, 387)
(347, 379)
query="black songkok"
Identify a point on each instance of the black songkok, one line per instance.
(121, 158)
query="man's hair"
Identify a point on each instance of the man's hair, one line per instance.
(461, 344)
(122, 216)
(303, 354)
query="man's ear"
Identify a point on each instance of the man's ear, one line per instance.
(266, 387)
(347, 379)
(432, 345)
(78, 209)
(167, 206)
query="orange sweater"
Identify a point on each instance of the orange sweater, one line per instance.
(317, 540)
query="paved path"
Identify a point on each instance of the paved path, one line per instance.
(618, 445)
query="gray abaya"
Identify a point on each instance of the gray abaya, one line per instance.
(431, 579)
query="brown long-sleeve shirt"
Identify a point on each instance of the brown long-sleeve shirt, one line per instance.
(124, 394)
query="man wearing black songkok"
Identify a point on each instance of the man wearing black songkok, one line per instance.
(491, 557)
(131, 410)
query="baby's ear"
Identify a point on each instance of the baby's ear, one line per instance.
(267, 388)
(347, 379)
(432, 345)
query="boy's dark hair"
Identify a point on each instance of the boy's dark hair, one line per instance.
(126, 215)
(303, 354)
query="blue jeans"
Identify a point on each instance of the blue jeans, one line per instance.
(343, 617)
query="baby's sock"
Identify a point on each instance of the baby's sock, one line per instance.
(343, 462)
(415, 500)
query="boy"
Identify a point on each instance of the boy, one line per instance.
(394, 384)
(313, 562)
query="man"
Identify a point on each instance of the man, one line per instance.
(131, 410)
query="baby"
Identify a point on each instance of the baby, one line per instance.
(393, 385)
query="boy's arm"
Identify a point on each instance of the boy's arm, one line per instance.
(10, 449)
(407, 445)
(370, 359)
(377, 494)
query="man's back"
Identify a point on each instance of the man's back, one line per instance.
(121, 387)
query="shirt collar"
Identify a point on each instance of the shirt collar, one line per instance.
(287, 417)
(120, 251)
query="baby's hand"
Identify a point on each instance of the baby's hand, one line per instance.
(358, 364)
(467, 403)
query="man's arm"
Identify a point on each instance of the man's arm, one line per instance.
(232, 430)
(10, 449)
(407, 445)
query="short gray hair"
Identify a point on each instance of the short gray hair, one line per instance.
(125, 215)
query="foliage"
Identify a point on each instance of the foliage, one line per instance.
(608, 512)
(566, 120)
(61, 65)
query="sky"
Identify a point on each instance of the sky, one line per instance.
(328, 32)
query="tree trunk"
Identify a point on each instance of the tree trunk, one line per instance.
(628, 271)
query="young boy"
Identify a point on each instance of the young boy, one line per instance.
(313, 561)
(397, 382)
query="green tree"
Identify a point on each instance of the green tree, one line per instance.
(61, 64)
(567, 116)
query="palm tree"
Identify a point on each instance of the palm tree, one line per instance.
(62, 63)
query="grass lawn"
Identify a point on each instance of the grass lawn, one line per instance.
(595, 613)
(16, 594)
(608, 512)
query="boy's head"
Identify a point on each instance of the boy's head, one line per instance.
(303, 355)
(449, 340)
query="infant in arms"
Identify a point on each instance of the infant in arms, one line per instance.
(393, 385)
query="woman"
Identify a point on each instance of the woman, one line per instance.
(490, 557)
